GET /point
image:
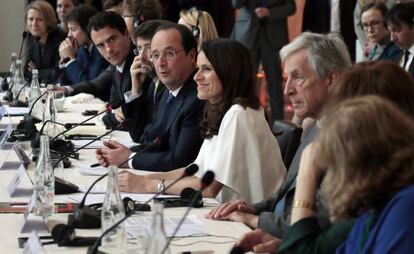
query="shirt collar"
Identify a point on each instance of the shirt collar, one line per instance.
(176, 91)
(120, 67)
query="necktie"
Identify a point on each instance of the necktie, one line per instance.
(166, 111)
(118, 76)
(406, 56)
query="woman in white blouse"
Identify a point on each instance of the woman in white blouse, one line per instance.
(239, 146)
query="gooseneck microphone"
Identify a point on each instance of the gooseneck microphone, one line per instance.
(84, 216)
(207, 179)
(24, 36)
(189, 171)
(109, 107)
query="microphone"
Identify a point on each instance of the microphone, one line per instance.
(189, 171)
(18, 103)
(24, 35)
(207, 179)
(62, 186)
(36, 39)
(109, 107)
(85, 216)
(64, 235)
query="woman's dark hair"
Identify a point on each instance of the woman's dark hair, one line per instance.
(233, 65)
(81, 15)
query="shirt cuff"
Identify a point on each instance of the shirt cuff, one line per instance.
(70, 61)
(129, 97)
(130, 160)
(68, 90)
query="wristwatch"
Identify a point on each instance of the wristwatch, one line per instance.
(161, 186)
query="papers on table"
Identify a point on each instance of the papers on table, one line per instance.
(85, 169)
(139, 225)
(99, 143)
(16, 111)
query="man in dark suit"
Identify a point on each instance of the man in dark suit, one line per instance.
(79, 58)
(262, 28)
(400, 23)
(312, 63)
(172, 139)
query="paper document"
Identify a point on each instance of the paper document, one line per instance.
(85, 169)
(139, 225)
(16, 111)
(99, 143)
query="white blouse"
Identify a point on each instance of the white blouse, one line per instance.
(244, 156)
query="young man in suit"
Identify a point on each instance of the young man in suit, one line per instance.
(312, 62)
(172, 139)
(262, 28)
(400, 23)
(79, 58)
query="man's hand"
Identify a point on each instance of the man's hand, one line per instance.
(119, 115)
(129, 182)
(259, 242)
(140, 69)
(262, 12)
(226, 208)
(113, 154)
(68, 49)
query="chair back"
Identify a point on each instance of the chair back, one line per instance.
(288, 136)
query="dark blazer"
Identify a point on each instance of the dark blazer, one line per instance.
(100, 86)
(46, 57)
(87, 66)
(400, 60)
(143, 110)
(272, 223)
(316, 18)
(248, 26)
(118, 88)
(391, 52)
(176, 144)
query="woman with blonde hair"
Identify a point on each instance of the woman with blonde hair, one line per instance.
(200, 23)
(43, 42)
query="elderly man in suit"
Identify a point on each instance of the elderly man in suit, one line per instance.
(172, 139)
(312, 63)
(262, 28)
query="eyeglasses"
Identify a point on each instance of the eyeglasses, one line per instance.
(141, 50)
(167, 54)
(372, 24)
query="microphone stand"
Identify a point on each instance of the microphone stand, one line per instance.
(207, 179)
(189, 171)
(109, 107)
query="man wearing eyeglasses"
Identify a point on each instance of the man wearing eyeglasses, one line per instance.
(374, 26)
(400, 23)
(172, 139)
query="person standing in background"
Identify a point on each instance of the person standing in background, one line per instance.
(63, 7)
(262, 28)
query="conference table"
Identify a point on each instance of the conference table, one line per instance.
(205, 236)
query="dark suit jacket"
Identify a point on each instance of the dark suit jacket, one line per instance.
(177, 144)
(400, 60)
(143, 110)
(100, 86)
(87, 66)
(391, 52)
(248, 26)
(46, 57)
(118, 88)
(316, 18)
(275, 224)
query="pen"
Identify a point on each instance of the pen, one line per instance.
(95, 165)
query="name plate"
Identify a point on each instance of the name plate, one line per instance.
(5, 135)
(14, 183)
(21, 154)
(32, 222)
(33, 245)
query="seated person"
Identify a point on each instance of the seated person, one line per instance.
(63, 7)
(305, 235)
(79, 57)
(43, 42)
(375, 28)
(172, 139)
(239, 146)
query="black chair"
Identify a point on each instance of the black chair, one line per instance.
(288, 136)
